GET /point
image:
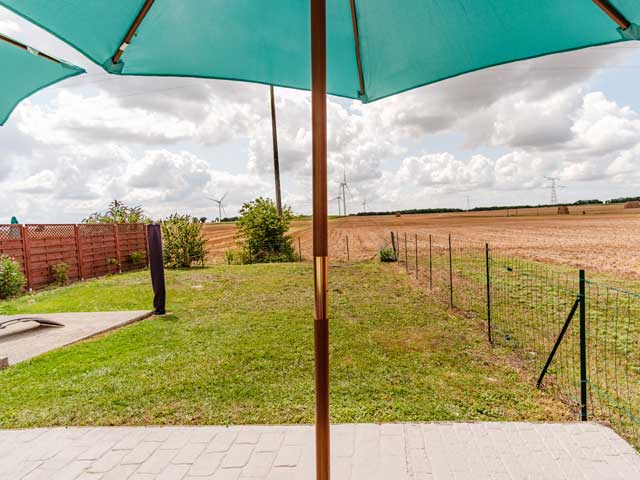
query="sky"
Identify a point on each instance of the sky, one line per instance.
(171, 144)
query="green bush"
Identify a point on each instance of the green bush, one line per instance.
(112, 265)
(60, 272)
(183, 242)
(236, 257)
(230, 257)
(262, 232)
(136, 257)
(118, 212)
(11, 278)
(387, 255)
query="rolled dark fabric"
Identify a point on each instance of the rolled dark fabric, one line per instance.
(156, 266)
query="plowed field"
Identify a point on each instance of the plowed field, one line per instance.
(605, 239)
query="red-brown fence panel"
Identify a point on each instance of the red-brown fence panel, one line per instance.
(132, 242)
(89, 250)
(48, 245)
(98, 251)
(11, 244)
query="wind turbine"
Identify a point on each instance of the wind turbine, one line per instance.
(220, 205)
(338, 198)
(344, 188)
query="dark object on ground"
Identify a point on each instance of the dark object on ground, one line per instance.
(387, 255)
(563, 210)
(42, 321)
(156, 266)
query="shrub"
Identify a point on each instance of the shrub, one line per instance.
(262, 232)
(387, 255)
(136, 257)
(11, 278)
(112, 263)
(60, 272)
(118, 212)
(183, 243)
(237, 257)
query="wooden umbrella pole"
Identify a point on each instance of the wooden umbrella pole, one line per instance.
(320, 231)
(15, 43)
(132, 30)
(356, 39)
(613, 13)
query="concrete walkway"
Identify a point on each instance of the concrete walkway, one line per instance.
(439, 451)
(23, 341)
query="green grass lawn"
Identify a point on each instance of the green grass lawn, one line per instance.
(530, 302)
(237, 348)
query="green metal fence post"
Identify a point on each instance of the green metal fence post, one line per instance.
(583, 349)
(556, 345)
(486, 255)
(450, 274)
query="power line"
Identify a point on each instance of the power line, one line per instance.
(554, 189)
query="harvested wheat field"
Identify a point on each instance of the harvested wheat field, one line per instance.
(604, 239)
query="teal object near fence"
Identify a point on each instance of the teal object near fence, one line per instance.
(403, 44)
(25, 71)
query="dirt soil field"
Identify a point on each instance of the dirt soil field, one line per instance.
(603, 239)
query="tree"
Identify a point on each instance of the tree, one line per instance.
(183, 243)
(118, 212)
(263, 231)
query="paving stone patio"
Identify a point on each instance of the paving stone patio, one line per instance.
(23, 341)
(429, 451)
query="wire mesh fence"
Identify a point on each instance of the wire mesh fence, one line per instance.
(613, 355)
(246, 252)
(584, 336)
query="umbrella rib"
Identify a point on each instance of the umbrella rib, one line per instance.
(356, 36)
(613, 12)
(15, 43)
(132, 30)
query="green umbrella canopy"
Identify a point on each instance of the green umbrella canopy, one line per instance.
(372, 49)
(14, 221)
(26, 71)
(402, 44)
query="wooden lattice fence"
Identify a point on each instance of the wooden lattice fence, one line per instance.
(90, 250)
